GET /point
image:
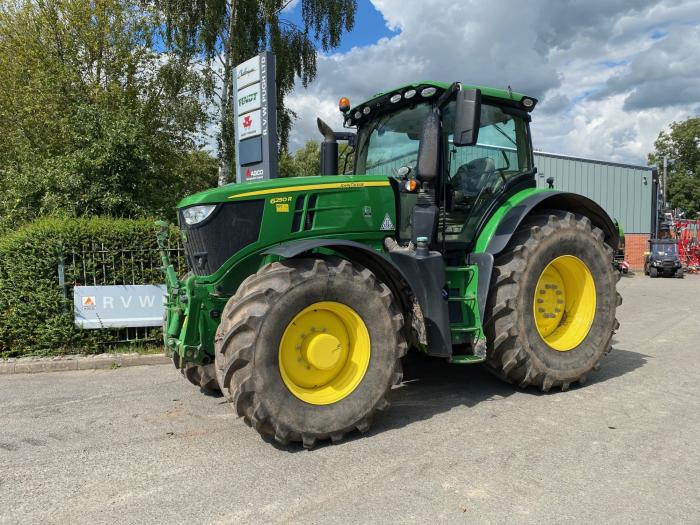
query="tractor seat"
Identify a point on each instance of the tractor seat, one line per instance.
(468, 180)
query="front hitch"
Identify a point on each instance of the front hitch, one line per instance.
(162, 237)
(174, 315)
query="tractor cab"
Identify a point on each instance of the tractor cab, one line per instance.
(452, 151)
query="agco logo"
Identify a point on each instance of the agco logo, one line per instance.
(254, 174)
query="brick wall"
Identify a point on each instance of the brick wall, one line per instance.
(635, 246)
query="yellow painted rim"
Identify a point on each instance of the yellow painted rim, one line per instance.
(324, 353)
(564, 303)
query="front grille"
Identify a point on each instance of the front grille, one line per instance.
(232, 227)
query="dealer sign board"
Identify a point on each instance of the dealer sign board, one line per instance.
(255, 112)
(119, 306)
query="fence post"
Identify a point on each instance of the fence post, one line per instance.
(62, 279)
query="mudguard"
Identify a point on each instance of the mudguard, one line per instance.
(402, 272)
(540, 201)
(553, 200)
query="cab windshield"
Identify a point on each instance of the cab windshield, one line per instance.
(474, 175)
(664, 249)
(391, 140)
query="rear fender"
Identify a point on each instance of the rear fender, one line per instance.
(532, 204)
(552, 200)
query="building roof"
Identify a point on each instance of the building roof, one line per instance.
(595, 161)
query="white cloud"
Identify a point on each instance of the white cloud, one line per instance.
(609, 75)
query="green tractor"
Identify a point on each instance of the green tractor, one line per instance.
(305, 294)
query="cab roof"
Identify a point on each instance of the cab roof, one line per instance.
(502, 96)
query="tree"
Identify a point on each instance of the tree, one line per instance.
(93, 120)
(223, 33)
(681, 146)
(305, 161)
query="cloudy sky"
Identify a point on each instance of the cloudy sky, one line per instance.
(609, 74)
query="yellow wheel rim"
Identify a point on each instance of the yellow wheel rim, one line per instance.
(564, 303)
(324, 353)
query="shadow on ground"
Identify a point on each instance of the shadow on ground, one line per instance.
(432, 387)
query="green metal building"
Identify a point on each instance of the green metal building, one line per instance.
(626, 191)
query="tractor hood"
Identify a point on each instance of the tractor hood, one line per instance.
(256, 190)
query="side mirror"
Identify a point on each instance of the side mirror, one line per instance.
(429, 147)
(467, 117)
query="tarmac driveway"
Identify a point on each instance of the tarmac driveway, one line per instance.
(141, 445)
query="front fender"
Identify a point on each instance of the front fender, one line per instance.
(401, 272)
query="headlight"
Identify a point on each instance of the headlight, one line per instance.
(196, 214)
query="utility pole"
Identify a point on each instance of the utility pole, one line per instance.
(664, 181)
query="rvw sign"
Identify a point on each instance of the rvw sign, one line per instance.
(119, 306)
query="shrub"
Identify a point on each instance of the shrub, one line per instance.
(35, 317)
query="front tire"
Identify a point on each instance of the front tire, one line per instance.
(203, 376)
(308, 349)
(551, 309)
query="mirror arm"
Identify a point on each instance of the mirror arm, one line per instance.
(346, 135)
(448, 94)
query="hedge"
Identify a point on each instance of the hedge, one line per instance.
(35, 317)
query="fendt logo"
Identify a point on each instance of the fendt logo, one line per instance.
(247, 121)
(247, 99)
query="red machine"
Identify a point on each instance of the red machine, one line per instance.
(687, 233)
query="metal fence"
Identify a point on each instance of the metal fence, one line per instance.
(96, 264)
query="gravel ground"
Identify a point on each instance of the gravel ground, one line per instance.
(141, 445)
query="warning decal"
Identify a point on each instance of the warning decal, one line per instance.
(387, 224)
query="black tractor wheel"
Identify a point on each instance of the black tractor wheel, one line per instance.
(308, 349)
(653, 272)
(551, 309)
(203, 376)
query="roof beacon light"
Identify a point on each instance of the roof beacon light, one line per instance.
(344, 104)
(395, 98)
(428, 92)
(409, 94)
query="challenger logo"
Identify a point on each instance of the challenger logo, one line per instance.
(89, 302)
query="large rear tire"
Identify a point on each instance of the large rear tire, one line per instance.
(308, 349)
(551, 309)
